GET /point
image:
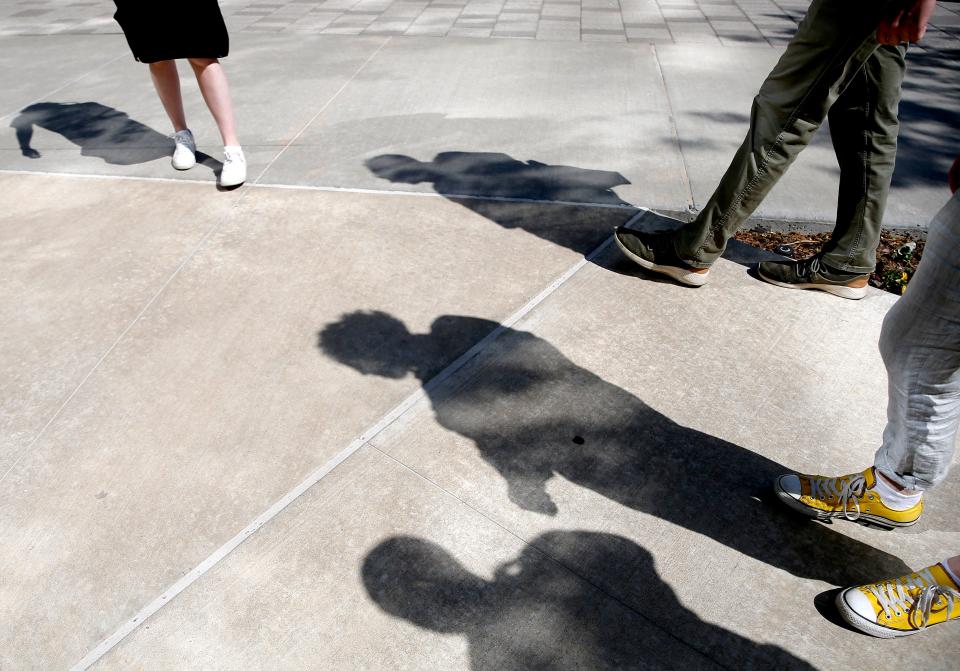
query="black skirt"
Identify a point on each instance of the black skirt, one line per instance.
(162, 30)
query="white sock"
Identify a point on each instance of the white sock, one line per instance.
(891, 497)
(953, 576)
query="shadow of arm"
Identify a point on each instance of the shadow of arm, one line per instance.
(24, 129)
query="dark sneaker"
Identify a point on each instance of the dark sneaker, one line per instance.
(654, 251)
(812, 273)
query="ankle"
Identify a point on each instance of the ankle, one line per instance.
(900, 489)
(894, 496)
(953, 568)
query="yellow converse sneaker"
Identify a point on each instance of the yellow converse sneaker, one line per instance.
(902, 606)
(851, 497)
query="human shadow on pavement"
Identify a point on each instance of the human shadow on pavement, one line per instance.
(533, 414)
(100, 131)
(543, 200)
(536, 614)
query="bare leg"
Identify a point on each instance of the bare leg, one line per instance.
(213, 85)
(166, 80)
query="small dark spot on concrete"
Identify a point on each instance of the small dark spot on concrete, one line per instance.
(579, 440)
(102, 495)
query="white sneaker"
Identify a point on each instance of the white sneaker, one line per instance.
(184, 153)
(234, 167)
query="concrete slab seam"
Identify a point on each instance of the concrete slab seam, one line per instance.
(338, 189)
(63, 86)
(560, 564)
(123, 333)
(673, 126)
(316, 476)
(320, 111)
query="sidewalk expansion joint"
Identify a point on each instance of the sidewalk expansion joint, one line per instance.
(348, 190)
(123, 333)
(559, 563)
(317, 475)
(674, 131)
(321, 110)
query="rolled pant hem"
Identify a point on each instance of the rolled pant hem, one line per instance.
(906, 481)
(837, 263)
(693, 263)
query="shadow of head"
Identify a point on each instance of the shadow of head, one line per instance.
(376, 343)
(400, 169)
(372, 343)
(422, 583)
(537, 604)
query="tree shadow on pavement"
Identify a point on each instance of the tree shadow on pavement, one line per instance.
(543, 200)
(533, 414)
(929, 117)
(535, 614)
(100, 131)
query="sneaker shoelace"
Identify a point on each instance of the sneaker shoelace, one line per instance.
(848, 489)
(183, 138)
(808, 267)
(232, 156)
(894, 598)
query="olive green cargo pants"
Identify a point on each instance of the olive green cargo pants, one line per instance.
(834, 67)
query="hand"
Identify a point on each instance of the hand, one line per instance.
(953, 177)
(906, 24)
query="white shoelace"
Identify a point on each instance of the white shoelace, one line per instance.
(233, 156)
(849, 491)
(894, 600)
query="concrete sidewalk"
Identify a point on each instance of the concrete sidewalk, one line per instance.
(397, 403)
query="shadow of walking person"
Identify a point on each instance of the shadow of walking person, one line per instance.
(100, 131)
(533, 414)
(468, 177)
(535, 614)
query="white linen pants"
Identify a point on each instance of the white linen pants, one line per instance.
(920, 345)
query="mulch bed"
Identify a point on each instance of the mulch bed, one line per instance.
(897, 255)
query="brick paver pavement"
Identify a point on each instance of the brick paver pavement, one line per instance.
(726, 22)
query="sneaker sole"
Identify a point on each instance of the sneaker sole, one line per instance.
(183, 166)
(853, 293)
(865, 519)
(227, 185)
(857, 621)
(679, 274)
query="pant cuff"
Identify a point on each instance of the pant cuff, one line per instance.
(686, 258)
(907, 481)
(840, 263)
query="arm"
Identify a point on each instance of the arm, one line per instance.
(906, 24)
